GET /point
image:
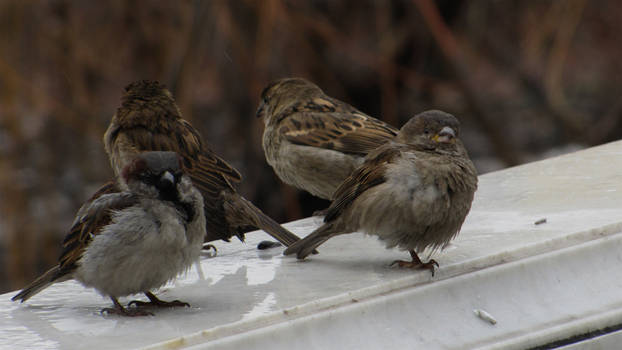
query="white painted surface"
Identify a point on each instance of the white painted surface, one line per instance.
(539, 282)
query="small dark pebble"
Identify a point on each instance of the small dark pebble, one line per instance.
(209, 250)
(263, 245)
(208, 247)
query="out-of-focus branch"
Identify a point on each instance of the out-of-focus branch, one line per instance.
(386, 69)
(571, 12)
(504, 59)
(455, 57)
(182, 75)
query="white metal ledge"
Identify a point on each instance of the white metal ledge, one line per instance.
(541, 283)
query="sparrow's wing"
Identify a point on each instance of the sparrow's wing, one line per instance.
(153, 123)
(156, 125)
(211, 175)
(368, 175)
(206, 165)
(91, 218)
(331, 124)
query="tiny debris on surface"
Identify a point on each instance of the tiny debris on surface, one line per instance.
(540, 222)
(485, 316)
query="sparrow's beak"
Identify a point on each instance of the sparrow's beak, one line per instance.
(167, 179)
(260, 110)
(446, 135)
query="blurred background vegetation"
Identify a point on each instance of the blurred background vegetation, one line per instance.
(528, 79)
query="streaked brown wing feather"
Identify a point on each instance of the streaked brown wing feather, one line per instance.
(368, 175)
(91, 218)
(158, 127)
(343, 128)
(348, 133)
(209, 173)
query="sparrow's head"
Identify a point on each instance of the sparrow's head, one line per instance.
(433, 128)
(154, 174)
(281, 94)
(145, 100)
(146, 89)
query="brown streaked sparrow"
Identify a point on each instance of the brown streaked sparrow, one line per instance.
(312, 141)
(413, 192)
(134, 240)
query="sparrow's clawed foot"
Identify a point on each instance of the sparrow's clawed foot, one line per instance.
(155, 302)
(118, 309)
(416, 263)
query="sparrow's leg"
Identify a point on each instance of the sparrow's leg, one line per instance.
(121, 311)
(155, 302)
(321, 212)
(416, 263)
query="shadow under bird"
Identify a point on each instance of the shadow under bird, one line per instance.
(313, 141)
(413, 192)
(149, 120)
(134, 240)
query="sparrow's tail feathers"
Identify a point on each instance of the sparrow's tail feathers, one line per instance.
(42, 282)
(307, 245)
(246, 214)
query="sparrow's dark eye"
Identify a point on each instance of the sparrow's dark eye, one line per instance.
(146, 178)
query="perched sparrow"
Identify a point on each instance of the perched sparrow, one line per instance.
(149, 120)
(312, 141)
(413, 192)
(134, 240)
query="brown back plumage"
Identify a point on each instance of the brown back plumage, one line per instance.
(307, 116)
(370, 174)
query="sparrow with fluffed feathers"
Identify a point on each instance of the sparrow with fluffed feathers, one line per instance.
(149, 120)
(312, 141)
(133, 240)
(413, 192)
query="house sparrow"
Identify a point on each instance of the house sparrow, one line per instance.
(149, 120)
(413, 192)
(312, 141)
(135, 240)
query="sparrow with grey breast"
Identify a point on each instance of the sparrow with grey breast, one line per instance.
(413, 192)
(312, 141)
(133, 240)
(149, 120)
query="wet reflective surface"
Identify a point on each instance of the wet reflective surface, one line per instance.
(580, 196)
